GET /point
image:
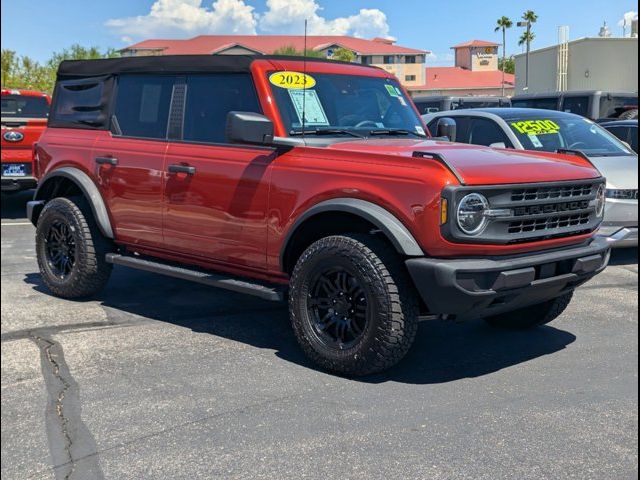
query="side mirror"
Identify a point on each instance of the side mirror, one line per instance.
(248, 127)
(447, 127)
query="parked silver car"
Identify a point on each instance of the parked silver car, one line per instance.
(553, 131)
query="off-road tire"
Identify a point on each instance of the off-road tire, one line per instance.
(629, 115)
(392, 322)
(533, 316)
(90, 271)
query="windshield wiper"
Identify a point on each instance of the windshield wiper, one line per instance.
(325, 131)
(394, 131)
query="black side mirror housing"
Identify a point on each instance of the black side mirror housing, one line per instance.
(447, 127)
(249, 127)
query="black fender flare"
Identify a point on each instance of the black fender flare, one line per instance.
(385, 221)
(89, 190)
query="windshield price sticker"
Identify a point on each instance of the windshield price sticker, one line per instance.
(536, 127)
(292, 80)
(393, 91)
(307, 103)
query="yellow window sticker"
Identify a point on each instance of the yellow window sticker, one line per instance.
(536, 127)
(292, 80)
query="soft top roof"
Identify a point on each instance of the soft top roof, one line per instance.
(171, 64)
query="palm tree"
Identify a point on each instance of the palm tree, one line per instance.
(526, 38)
(530, 17)
(502, 24)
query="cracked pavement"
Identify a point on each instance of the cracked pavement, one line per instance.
(160, 378)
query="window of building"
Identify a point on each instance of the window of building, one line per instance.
(367, 60)
(410, 59)
(389, 59)
(142, 105)
(410, 78)
(206, 112)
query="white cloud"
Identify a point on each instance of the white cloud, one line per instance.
(288, 16)
(180, 17)
(626, 19)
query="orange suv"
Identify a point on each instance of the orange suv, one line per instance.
(313, 181)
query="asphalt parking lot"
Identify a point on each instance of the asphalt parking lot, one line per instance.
(160, 378)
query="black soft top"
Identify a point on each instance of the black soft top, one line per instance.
(174, 64)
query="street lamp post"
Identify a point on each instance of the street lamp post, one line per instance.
(526, 75)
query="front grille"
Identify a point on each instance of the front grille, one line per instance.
(622, 194)
(531, 212)
(544, 193)
(551, 223)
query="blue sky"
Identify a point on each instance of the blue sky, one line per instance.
(40, 27)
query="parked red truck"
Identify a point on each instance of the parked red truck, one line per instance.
(24, 118)
(310, 180)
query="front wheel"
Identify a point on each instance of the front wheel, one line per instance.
(353, 308)
(533, 316)
(70, 249)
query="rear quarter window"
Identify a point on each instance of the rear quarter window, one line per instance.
(24, 106)
(81, 103)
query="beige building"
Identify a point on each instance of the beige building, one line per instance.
(408, 64)
(607, 64)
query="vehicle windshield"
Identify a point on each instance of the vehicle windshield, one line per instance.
(549, 133)
(24, 106)
(344, 105)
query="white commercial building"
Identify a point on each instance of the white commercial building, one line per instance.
(607, 64)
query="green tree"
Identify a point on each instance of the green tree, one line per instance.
(291, 51)
(9, 67)
(507, 65)
(344, 55)
(526, 38)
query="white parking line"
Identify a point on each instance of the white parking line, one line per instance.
(15, 223)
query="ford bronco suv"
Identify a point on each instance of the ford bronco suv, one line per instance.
(308, 180)
(24, 118)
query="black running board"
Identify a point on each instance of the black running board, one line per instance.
(199, 276)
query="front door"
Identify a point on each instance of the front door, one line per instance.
(216, 194)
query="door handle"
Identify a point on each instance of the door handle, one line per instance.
(106, 160)
(182, 169)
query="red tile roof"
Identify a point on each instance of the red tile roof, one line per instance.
(476, 43)
(445, 78)
(266, 44)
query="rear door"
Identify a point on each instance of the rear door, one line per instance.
(129, 160)
(216, 193)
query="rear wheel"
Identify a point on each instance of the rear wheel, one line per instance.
(533, 316)
(352, 305)
(70, 249)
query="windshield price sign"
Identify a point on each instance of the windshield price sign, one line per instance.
(536, 127)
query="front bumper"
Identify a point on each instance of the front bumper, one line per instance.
(15, 184)
(476, 288)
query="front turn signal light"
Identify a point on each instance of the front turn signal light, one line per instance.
(444, 211)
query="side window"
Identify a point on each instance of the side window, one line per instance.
(487, 132)
(142, 105)
(577, 105)
(462, 128)
(621, 132)
(81, 103)
(210, 97)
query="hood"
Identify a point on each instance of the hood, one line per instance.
(621, 172)
(482, 165)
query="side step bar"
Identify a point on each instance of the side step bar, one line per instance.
(199, 276)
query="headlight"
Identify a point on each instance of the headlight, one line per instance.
(471, 214)
(601, 200)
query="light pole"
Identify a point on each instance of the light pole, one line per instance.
(526, 75)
